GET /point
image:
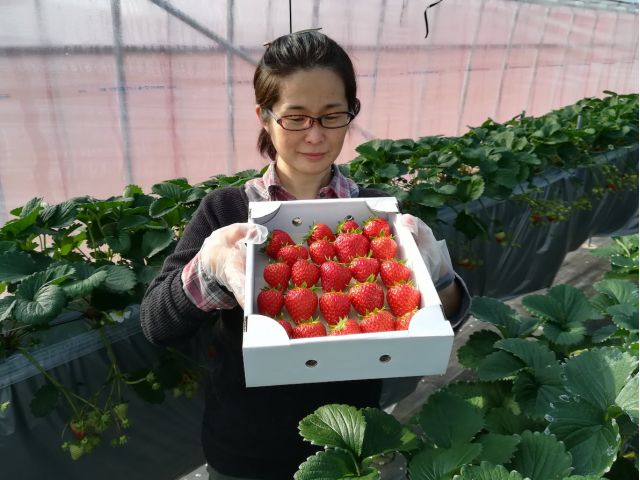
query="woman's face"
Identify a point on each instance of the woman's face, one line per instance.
(311, 152)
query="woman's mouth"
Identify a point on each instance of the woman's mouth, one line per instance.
(313, 156)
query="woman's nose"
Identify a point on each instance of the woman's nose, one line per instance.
(315, 134)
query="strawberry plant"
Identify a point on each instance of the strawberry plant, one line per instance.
(554, 396)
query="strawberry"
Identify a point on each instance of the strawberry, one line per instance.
(350, 245)
(334, 276)
(394, 271)
(304, 273)
(320, 231)
(276, 240)
(277, 274)
(308, 329)
(402, 322)
(378, 320)
(270, 301)
(286, 325)
(347, 225)
(301, 303)
(346, 326)
(290, 253)
(362, 267)
(402, 298)
(375, 227)
(334, 306)
(321, 250)
(384, 248)
(366, 296)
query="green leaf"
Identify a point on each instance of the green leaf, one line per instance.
(532, 352)
(38, 307)
(495, 312)
(59, 216)
(541, 457)
(161, 206)
(588, 435)
(14, 266)
(18, 225)
(469, 225)
(442, 463)
(131, 190)
(84, 287)
(471, 189)
(194, 195)
(45, 400)
(505, 421)
(627, 399)
(339, 426)
(618, 291)
(487, 471)
(6, 306)
(536, 392)
(119, 278)
(624, 316)
(383, 433)
(331, 464)
(484, 395)
(496, 448)
(168, 190)
(132, 222)
(154, 241)
(571, 334)
(499, 365)
(478, 346)
(435, 419)
(597, 376)
(7, 246)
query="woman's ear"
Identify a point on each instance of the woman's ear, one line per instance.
(261, 119)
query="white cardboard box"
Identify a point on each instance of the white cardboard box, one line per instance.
(271, 358)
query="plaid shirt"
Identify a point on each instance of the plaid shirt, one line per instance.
(202, 289)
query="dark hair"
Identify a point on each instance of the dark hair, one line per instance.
(294, 52)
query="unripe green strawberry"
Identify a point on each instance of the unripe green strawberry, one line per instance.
(270, 302)
(346, 326)
(363, 267)
(350, 245)
(366, 296)
(378, 320)
(402, 322)
(290, 253)
(321, 250)
(301, 303)
(376, 226)
(334, 306)
(383, 248)
(394, 271)
(276, 240)
(320, 231)
(308, 329)
(402, 298)
(304, 273)
(334, 276)
(277, 275)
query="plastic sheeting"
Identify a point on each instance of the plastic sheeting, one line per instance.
(95, 95)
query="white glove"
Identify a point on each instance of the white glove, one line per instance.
(223, 255)
(434, 252)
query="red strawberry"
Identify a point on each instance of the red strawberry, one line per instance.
(394, 271)
(286, 325)
(277, 275)
(308, 329)
(402, 322)
(320, 231)
(290, 253)
(301, 303)
(362, 267)
(334, 276)
(350, 245)
(270, 301)
(384, 248)
(276, 240)
(347, 225)
(366, 296)
(305, 272)
(379, 320)
(334, 306)
(321, 250)
(375, 227)
(402, 298)
(346, 326)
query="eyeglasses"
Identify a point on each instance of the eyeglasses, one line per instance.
(296, 123)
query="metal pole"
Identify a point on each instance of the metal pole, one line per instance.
(560, 76)
(505, 61)
(604, 62)
(588, 60)
(376, 58)
(536, 62)
(230, 92)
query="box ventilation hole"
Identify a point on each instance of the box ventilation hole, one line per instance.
(385, 358)
(311, 363)
(297, 221)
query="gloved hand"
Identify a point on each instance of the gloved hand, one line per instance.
(434, 252)
(223, 255)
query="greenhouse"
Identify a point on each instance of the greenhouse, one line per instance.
(437, 200)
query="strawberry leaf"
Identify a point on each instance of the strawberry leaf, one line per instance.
(382, 434)
(338, 426)
(496, 448)
(541, 457)
(332, 464)
(435, 416)
(439, 463)
(478, 346)
(627, 399)
(501, 315)
(487, 471)
(484, 395)
(505, 421)
(499, 365)
(535, 392)
(618, 291)
(534, 354)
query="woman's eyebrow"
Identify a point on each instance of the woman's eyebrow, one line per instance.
(301, 107)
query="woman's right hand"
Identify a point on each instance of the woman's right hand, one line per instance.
(223, 255)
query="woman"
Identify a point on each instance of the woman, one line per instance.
(305, 91)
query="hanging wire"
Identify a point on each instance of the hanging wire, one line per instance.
(290, 22)
(426, 21)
